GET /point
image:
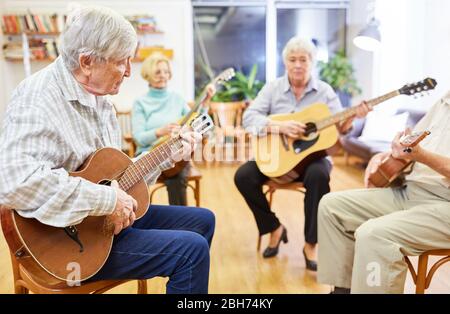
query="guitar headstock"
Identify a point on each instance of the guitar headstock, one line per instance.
(224, 76)
(202, 124)
(412, 140)
(418, 87)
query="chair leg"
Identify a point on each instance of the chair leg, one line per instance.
(142, 286)
(18, 288)
(271, 198)
(258, 244)
(421, 274)
(197, 192)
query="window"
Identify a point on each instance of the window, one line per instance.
(325, 27)
(228, 36)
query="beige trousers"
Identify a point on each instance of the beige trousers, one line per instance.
(364, 234)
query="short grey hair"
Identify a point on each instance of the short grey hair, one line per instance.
(296, 44)
(97, 32)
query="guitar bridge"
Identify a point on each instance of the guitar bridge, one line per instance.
(72, 232)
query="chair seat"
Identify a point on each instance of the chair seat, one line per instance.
(39, 281)
(295, 186)
(193, 174)
(193, 177)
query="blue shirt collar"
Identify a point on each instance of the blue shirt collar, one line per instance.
(312, 84)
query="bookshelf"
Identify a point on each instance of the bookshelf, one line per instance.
(41, 36)
(42, 32)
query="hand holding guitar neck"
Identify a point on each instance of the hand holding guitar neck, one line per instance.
(405, 144)
(384, 168)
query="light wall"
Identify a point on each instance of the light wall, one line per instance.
(415, 44)
(437, 45)
(174, 18)
(362, 60)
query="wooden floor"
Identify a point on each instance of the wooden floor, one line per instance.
(236, 267)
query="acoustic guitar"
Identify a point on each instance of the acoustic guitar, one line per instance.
(89, 243)
(283, 158)
(391, 168)
(179, 166)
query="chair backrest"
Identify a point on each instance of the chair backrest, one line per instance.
(227, 115)
(128, 144)
(124, 119)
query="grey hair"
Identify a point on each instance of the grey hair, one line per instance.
(97, 32)
(296, 44)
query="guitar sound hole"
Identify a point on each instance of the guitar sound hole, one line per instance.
(301, 145)
(310, 128)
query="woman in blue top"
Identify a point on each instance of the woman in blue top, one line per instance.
(155, 115)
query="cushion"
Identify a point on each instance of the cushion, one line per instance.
(383, 128)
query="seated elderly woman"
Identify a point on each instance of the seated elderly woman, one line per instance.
(155, 115)
(56, 119)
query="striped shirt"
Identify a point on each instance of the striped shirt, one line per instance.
(52, 125)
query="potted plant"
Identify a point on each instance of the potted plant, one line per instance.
(339, 73)
(226, 108)
(240, 88)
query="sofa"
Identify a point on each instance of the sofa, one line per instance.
(354, 143)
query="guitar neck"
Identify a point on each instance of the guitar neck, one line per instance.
(200, 100)
(150, 161)
(351, 112)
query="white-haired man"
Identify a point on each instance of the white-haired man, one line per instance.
(56, 119)
(290, 93)
(364, 234)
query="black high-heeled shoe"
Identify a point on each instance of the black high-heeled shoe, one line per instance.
(272, 251)
(310, 264)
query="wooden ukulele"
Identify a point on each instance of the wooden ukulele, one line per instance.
(283, 158)
(89, 243)
(179, 166)
(391, 168)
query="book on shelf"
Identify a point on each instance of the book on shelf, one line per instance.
(40, 49)
(33, 23)
(144, 24)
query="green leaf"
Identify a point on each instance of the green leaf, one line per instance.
(252, 76)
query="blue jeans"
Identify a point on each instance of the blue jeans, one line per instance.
(168, 241)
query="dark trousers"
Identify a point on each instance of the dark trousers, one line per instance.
(168, 241)
(176, 187)
(316, 178)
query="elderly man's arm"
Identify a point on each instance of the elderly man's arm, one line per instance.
(255, 118)
(437, 162)
(31, 180)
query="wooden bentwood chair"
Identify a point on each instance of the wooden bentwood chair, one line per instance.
(28, 275)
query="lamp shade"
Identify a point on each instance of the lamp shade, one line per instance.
(369, 38)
